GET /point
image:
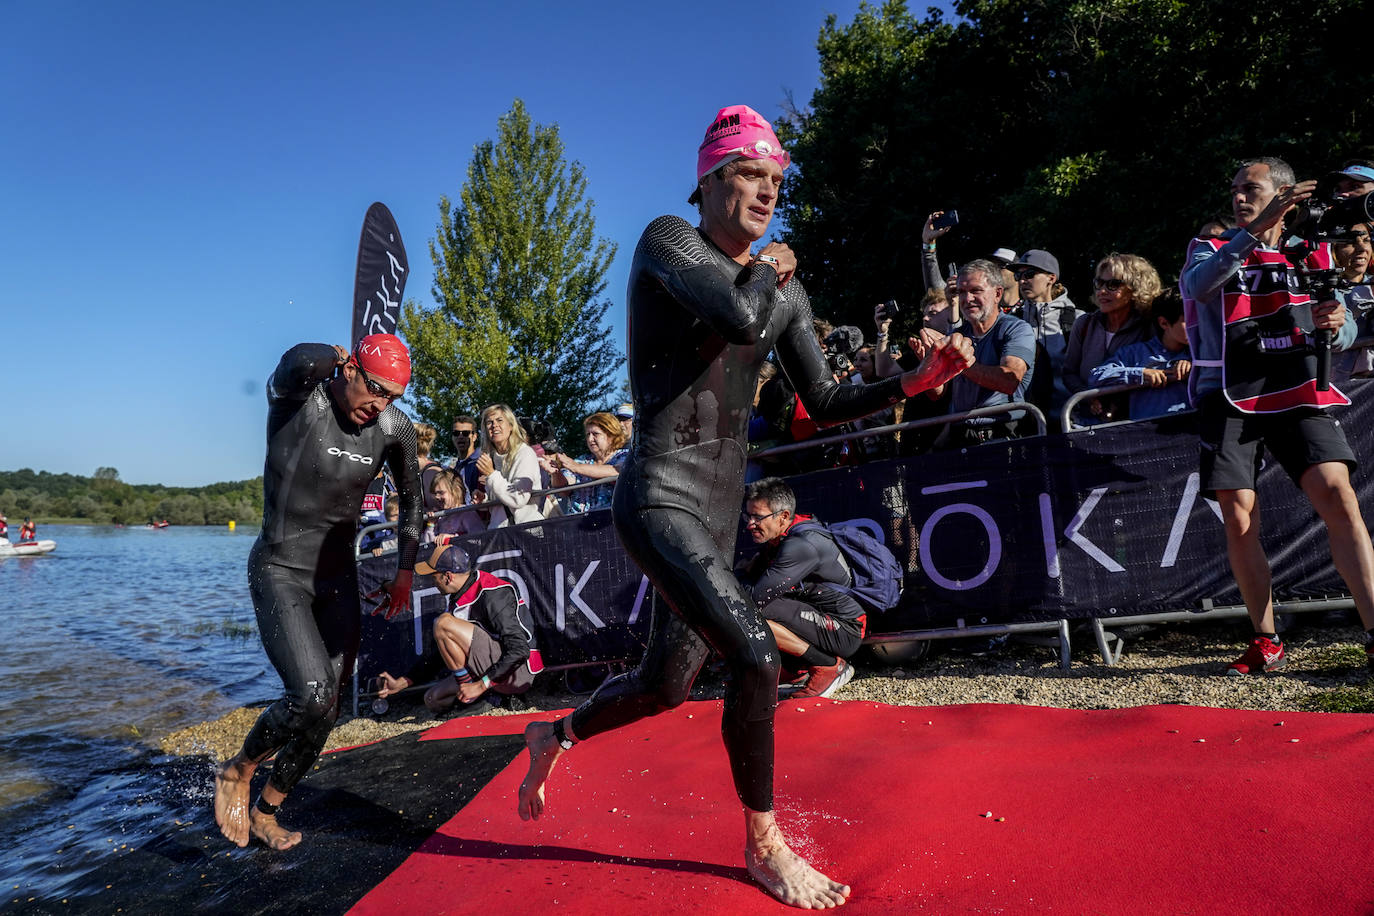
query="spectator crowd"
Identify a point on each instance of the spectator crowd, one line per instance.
(1034, 344)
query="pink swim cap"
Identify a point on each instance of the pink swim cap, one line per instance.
(739, 131)
(384, 356)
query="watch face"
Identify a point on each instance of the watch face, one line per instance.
(565, 744)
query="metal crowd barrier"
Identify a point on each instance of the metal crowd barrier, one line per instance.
(1028, 409)
(535, 495)
(1109, 644)
(358, 693)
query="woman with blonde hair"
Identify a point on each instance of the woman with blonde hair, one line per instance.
(424, 441)
(508, 469)
(605, 456)
(1124, 285)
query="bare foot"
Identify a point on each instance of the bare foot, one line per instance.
(272, 834)
(232, 783)
(787, 876)
(542, 742)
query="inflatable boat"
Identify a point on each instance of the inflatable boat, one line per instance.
(26, 548)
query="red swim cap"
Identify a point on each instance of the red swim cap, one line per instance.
(384, 356)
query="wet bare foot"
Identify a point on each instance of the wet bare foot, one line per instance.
(272, 834)
(787, 876)
(232, 784)
(542, 742)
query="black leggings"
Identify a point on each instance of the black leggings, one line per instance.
(691, 570)
(310, 626)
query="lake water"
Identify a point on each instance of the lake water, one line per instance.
(106, 645)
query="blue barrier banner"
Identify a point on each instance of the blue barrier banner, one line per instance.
(1097, 523)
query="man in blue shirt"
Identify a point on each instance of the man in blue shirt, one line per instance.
(1003, 352)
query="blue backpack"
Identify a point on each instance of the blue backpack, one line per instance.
(875, 571)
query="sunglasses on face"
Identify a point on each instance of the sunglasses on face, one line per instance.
(1113, 283)
(750, 519)
(1026, 273)
(374, 388)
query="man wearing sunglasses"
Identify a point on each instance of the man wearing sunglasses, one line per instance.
(466, 452)
(331, 424)
(705, 309)
(800, 581)
(1253, 382)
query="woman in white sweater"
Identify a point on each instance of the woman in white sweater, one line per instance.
(508, 469)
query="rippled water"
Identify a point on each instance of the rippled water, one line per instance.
(107, 644)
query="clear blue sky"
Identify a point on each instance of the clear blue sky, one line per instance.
(184, 183)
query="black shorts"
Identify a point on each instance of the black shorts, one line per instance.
(1233, 443)
(832, 635)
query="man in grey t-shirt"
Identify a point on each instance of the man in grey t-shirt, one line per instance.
(1004, 354)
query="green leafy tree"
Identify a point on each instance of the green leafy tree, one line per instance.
(1079, 126)
(519, 276)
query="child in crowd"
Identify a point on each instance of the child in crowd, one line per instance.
(1162, 363)
(388, 539)
(446, 492)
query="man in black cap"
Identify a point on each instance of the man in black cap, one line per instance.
(1046, 307)
(480, 637)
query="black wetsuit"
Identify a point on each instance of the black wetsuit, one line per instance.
(699, 326)
(301, 571)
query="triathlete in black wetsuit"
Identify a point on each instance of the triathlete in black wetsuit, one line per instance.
(703, 314)
(330, 424)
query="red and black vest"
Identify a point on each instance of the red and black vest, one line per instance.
(1269, 363)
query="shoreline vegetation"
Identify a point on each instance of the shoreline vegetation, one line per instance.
(104, 499)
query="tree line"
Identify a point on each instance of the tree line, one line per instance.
(1079, 126)
(104, 499)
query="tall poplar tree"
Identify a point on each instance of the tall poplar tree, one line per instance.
(518, 281)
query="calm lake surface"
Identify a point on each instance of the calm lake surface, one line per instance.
(106, 645)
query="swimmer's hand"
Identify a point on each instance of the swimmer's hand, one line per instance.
(781, 259)
(395, 594)
(943, 361)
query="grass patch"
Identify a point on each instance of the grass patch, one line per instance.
(1341, 699)
(1339, 656)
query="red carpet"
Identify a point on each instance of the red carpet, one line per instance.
(1162, 809)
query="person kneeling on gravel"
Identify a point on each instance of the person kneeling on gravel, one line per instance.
(480, 637)
(793, 579)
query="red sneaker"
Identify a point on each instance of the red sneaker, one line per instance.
(825, 681)
(1264, 655)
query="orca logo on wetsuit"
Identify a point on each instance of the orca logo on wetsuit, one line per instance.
(351, 456)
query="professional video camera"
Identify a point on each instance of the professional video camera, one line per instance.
(839, 348)
(1320, 219)
(1324, 218)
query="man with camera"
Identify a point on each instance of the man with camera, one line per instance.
(1354, 179)
(1255, 330)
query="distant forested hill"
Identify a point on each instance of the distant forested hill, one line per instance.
(105, 498)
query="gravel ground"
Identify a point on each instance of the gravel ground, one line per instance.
(1170, 663)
